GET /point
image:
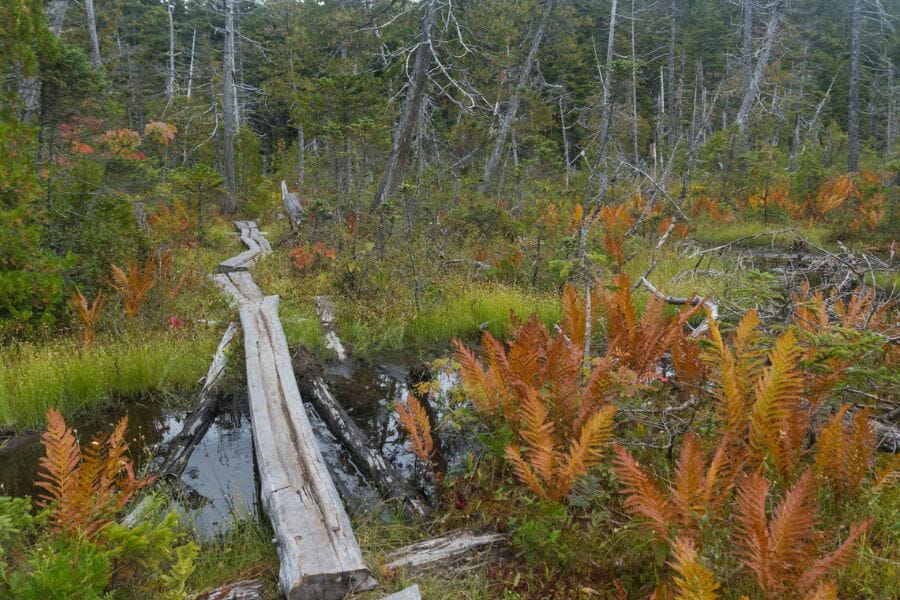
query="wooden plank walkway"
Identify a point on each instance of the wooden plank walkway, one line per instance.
(318, 552)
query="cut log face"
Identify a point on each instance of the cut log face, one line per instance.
(440, 551)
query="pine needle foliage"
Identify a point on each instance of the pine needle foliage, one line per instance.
(85, 489)
(845, 451)
(535, 386)
(696, 494)
(133, 283)
(88, 313)
(781, 552)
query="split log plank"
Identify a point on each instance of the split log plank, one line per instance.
(318, 552)
(390, 483)
(440, 550)
(197, 424)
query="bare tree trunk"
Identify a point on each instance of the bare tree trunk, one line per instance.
(30, 89)
(506, 120)
(853, 104)
(393, 171)
(747, 46)
(889, 133)
(565, 138)
(634, 110)
(229, 202)
(759, 70)
(170, 74)
(191, 66)
(92, 33)
(301, 156)
(605, 107)
(671, 108)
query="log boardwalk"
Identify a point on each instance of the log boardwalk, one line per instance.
(317, 550)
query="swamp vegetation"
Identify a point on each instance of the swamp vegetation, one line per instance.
(617, 280)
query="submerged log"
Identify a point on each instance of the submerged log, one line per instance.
(198, 422)
(319, 554)
(390, 483)
(325, 310)
(441, 550)
(292, 206)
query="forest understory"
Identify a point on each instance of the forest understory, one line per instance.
(609, 287)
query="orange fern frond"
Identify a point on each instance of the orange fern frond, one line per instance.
(88, 313)
(775, 405)
(838, 559)
(586, 451)
(693, 580)
(844, 455)
(133, 284)
(645, 498)
(414, 419)
(58, 474)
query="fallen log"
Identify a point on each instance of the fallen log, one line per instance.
(257, 247)
(442, 550)
(249, 589)
(712, 307)
(196, 425)
(325, 310)
(390, 483)
(410, 593)
(318, 552)
(292, 206)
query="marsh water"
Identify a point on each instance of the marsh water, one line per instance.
(221, 474)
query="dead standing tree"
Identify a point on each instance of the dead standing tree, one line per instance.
(512, 109)
(403, 135)
(752, 87)
(229, 202)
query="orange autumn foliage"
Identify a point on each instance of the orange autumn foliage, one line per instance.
(134, 284)
(85, 489)
(88, 314)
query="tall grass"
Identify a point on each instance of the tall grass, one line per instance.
(73, 379)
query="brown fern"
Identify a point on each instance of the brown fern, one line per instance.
(88, 313)
(697, 493)
(414, 419)
(844, 454)
(692, 579)
(85, 489)
(781, 552)
(134, 284)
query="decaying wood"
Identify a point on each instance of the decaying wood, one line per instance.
(325, 310)
(319, 555)
(695, 301)
(257, 247)
(249, 589)
(390, 483)
(441, 550)
(292, 206)
(198, 422)
(410, 593)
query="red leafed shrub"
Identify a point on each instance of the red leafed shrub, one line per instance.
(304, 257)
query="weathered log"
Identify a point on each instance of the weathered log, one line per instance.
(387, 479)
(319, 554)
(249, 589)
(292, 206)
(442, 550)
(325, 310)
(257, 247)
(410, 593)
(196, 425)
(887, 437)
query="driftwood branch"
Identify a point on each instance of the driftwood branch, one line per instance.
(440, 551)
(695, 301)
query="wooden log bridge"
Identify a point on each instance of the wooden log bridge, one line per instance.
(318, 552)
